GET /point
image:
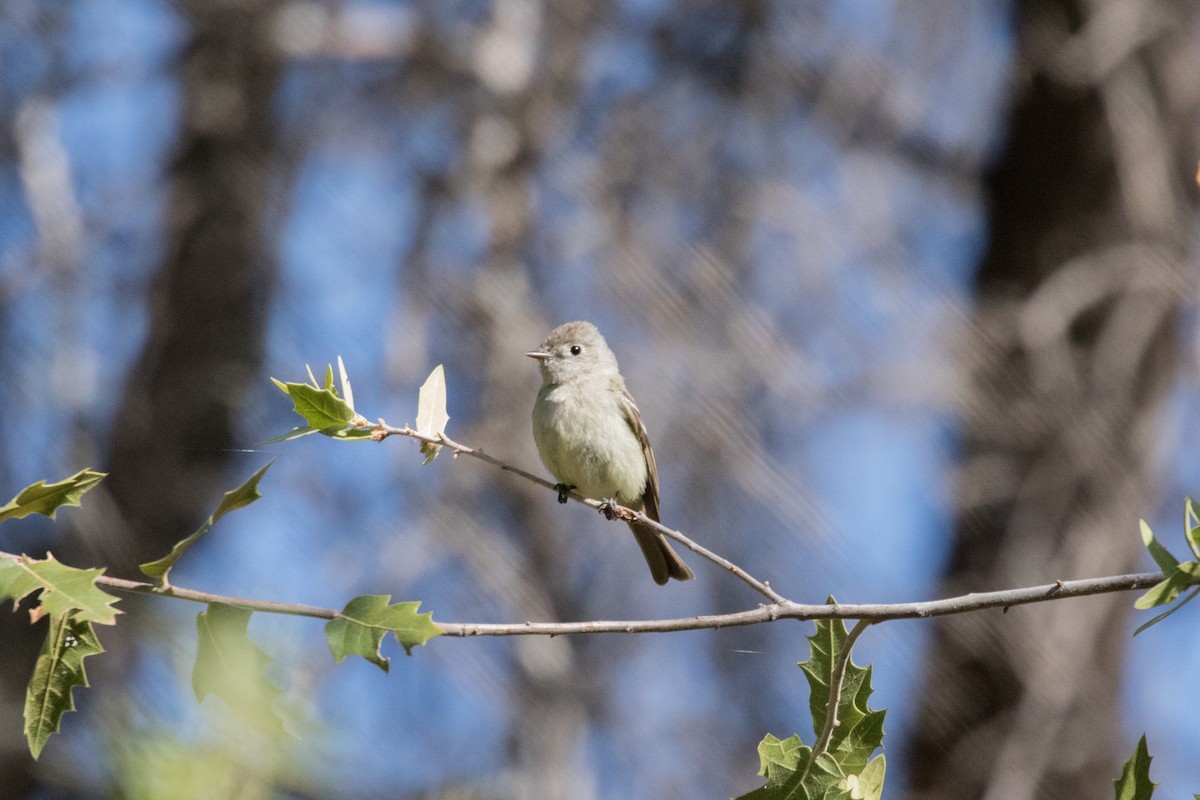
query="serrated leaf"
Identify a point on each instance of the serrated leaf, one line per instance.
(853, 751)
(58, 670)
(65, 590)
(1161, 555)
(825, 646)
(1160, 617)
(1134, 783)
(232, 667)
(46, 498)
(792, 769)
(431, 411)
(365, 620)
(319, 404)
(234, 499)
(321, 408)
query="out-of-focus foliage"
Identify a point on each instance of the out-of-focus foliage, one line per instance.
(234, 499)
(1180, 574)
(46, 498)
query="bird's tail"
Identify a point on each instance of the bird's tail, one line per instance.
(664, 562)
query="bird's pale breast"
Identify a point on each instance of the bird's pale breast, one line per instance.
(595, 451)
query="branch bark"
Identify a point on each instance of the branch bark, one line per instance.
(779, 608)
(785, 609)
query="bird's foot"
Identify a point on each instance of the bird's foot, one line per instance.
(563, 489)
(609, 509)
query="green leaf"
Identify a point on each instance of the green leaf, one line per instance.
(344, 435)
(65, 590)
(294, 433)
(348, 434)
(859, 730)
(845, 770)
(1134, 783)
(431, 411)
(868, 784)
(322, 409)
(46, 498)
(319, 404)
(1160, 617)
(365, 620)
(234, 499)
(1164, 591)
(779, 758)
(1191, 526)
(780, 762)
(1166, 562)
(232, 667)
(58, 670)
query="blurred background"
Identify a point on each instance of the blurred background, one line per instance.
(905, 291)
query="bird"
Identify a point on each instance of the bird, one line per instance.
(590, 436)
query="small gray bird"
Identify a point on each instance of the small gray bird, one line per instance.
(590, 436)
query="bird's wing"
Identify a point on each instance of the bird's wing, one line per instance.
(634, 417)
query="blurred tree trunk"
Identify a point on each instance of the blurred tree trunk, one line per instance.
(177, 422)
(519, 79)
(1074, 350)
(178, 419)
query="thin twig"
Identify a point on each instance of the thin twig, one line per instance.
(763, 587)
(382, 430)
(779, 608)
(267, 606)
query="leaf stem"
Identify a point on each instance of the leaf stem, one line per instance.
(835, 694)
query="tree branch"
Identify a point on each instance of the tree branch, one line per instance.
(870, 612)
(382, 430)
(779, 607)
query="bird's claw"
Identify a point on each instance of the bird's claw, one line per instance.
(562, 489)
(609, 509)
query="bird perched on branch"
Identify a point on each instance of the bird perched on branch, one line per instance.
(590, 436)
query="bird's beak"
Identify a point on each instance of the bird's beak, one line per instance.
(539, 355)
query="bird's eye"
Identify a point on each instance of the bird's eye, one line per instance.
(576, 349)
